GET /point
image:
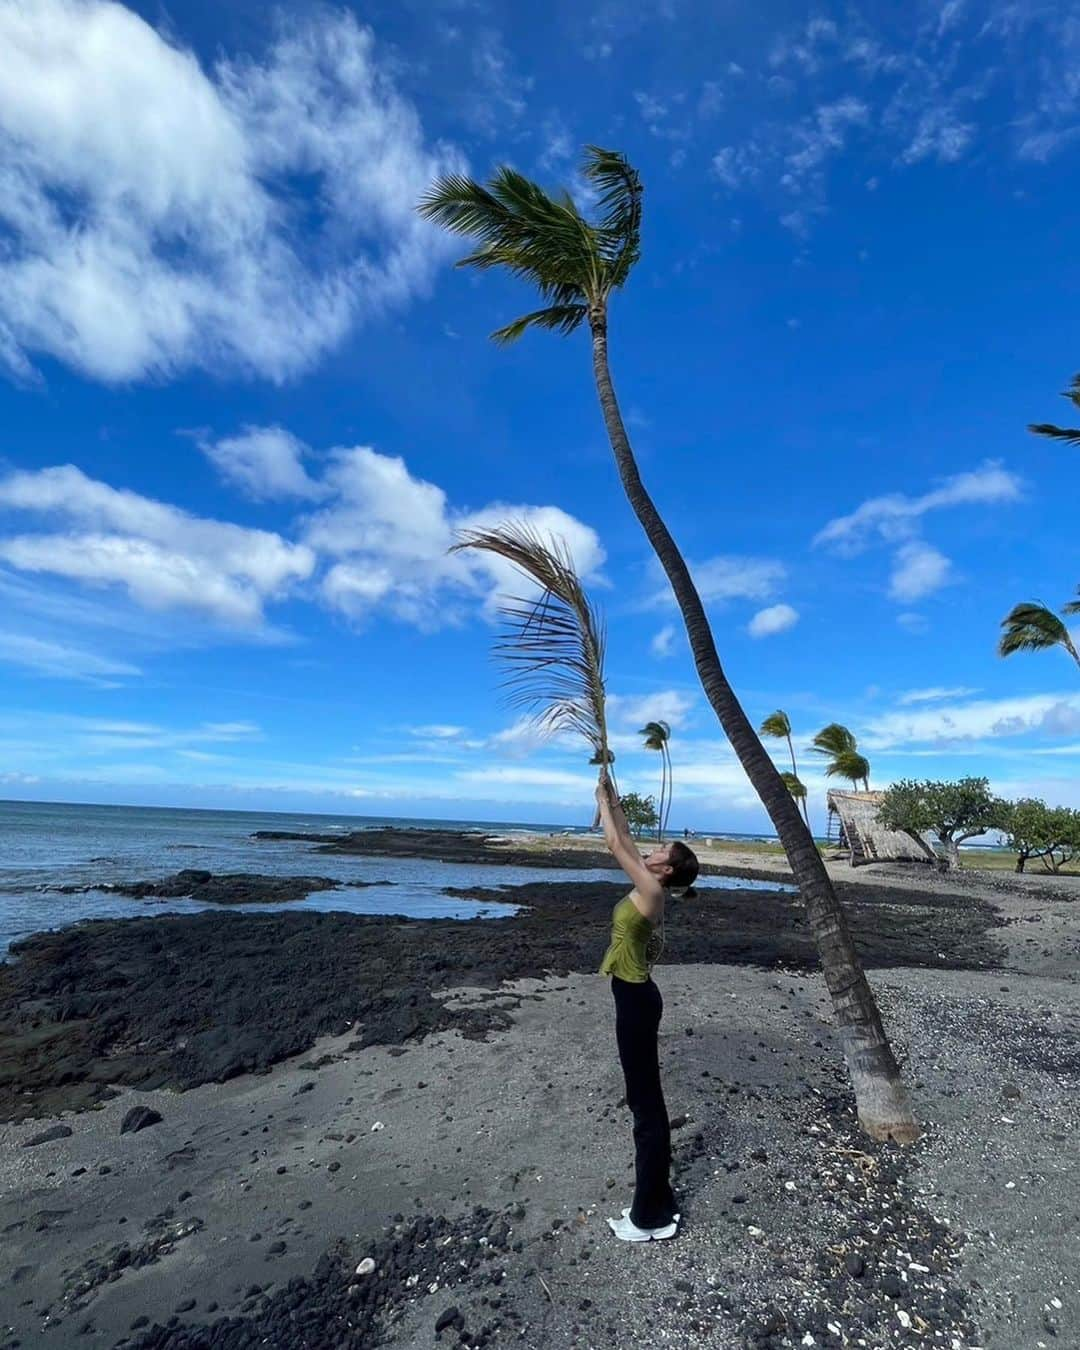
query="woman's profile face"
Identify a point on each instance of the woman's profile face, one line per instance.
(659, 861)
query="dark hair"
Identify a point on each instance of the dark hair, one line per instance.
(684, 868)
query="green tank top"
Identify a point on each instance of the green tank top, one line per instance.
(627, 956)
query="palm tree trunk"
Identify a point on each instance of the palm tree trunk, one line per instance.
(667, 813)
(881, 1098)
(663, 789)
(795, 773)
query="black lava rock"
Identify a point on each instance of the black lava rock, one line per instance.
(139, 1118)
(47, 1136)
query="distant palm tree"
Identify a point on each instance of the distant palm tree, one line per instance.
(657, 735)
(1071, 435)
(851, 765)
(1031, 627)
(577, 265)
(795, 787)
(838, 744)
(778, 724)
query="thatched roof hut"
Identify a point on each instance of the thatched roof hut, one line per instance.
(866, 837)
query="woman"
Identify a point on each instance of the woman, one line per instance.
(636, 941)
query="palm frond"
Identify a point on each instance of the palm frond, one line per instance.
(851, 765)
(1070, 435)
(794, 785)
(834, 739)
(1032, 627)
(620, 197)
(1072, 606)
(776, 724)
(552, 646)
(560, 318)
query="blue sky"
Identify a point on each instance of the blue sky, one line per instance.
(246, 400)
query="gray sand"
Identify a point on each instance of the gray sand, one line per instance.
(533, 1116)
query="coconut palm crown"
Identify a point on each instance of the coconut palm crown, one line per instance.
(1070, 435)
(1033, 627)
(575, 263)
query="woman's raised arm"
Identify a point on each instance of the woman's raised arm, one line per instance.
(617, 836)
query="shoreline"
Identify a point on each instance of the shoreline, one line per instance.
(517, 1070)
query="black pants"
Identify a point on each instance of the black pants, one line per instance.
(638, 1008)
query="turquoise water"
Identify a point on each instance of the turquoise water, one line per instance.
(43, 845)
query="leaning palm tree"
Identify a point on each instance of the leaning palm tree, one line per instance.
(778, 724)
(1071, 435)
(657, 735)
(840, 747)
(1032, 627)
(795, 786)
(577, 265)
(551, 644)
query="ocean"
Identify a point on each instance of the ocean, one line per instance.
(44, 845)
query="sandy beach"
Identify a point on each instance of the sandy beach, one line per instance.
(444, 1099)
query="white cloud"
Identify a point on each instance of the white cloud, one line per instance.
(723, 578)
(162, 556)
(940, 135)
(151, 207)
(61, 660)
(660, 645)
(935, 695)
(918, 570)
(894, 516)
(666, 705)
(981, 719)
(266, 462)
(514, 776)
(437, 731)
(774, 619)
(378, 544)
(390, 533)
(916, 624)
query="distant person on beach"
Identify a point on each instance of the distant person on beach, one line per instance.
(637, 938)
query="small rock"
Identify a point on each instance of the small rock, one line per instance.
(139, 1118)
(275, 1249)
(449, 1317)
(1010, 1092)
(378, 1126)
(366, 1266)
(186, 1306)
(333, 1167)
(47, 1136)
(855, 1265)
(890, 1284)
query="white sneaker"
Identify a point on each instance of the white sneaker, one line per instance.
(627, 1231)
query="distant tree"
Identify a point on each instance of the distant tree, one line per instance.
(950, 811)
(1071, 435)
(778, 725)
(1035, 830)
(640, 812)
(657, 735)
(840, 747)
(1028, 828)
(1032, 627)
